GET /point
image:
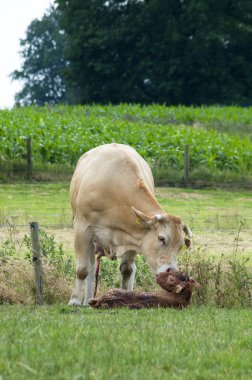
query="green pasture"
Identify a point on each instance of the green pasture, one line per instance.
(215, 216)
(49, 204)
(60, 342)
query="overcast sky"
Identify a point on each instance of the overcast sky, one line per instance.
(15, 16)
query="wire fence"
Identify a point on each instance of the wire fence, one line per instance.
(61, 219)
(49, 205)
(208, 237)
(20, 214)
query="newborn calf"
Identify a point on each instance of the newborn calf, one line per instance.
(178, 291)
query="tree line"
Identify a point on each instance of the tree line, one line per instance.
(190, 52)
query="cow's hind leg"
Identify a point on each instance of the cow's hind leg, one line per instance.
(128, 270)
(85, 264)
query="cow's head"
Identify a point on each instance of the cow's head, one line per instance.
(164, 236)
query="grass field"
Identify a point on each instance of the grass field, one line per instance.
(50, 203)
(64, 343)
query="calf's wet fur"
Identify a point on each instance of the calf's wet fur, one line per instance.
(177, 293)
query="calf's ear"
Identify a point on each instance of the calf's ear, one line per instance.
(179, 287)
(194, 283)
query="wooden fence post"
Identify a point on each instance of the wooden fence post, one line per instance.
(28, 159)
(36, 258)
(186, 165)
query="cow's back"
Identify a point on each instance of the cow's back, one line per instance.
(109, 177)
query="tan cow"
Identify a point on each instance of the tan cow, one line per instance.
(113, 202)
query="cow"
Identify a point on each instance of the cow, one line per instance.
(114, 206)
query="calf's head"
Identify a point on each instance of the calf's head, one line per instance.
(175, 281)
(164, 236)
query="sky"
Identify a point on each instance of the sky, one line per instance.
(15, 17)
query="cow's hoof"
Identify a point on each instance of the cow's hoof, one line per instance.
(74, 302)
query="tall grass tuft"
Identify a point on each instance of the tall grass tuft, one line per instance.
(226, 282)
(16, 271)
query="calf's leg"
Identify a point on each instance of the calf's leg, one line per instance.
(128, 270)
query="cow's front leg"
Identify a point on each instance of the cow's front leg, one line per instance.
(85, 264)
(128, 270)
(90, 279)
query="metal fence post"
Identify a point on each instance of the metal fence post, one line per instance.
(36, 258)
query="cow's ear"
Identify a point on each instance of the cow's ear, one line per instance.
(187, 242)
(142, 218)
(187, 231)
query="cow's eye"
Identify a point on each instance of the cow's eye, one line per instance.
(161, 238)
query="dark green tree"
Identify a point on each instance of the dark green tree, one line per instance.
(172, 51)
(216, 58)
(43, 62)
(102, 49)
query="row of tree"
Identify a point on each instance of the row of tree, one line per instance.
(144, 51)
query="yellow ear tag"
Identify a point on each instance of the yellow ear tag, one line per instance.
(184, 248)
(138, 221)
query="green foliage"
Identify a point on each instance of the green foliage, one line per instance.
(7, 249)
(53, 253)
(60, 135)
(144, 277)
(226, 282)
(110, 276)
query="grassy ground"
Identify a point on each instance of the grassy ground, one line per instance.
(64, 343)
(50, 202)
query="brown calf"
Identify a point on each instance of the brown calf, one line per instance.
(178, 291)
